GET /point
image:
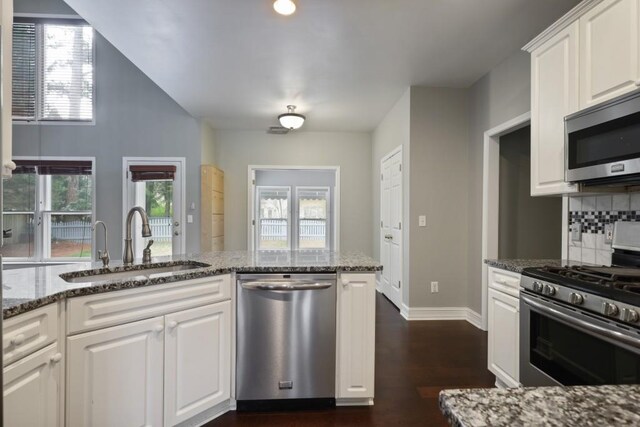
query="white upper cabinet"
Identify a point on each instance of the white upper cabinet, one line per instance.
(554, 94)
(609, 51)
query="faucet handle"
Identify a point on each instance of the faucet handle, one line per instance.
(149, 244)
(100, 254)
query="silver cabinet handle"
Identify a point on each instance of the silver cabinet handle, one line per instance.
(285, 286)
(388, 236)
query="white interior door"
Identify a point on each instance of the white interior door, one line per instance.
(391, 227)
(164, 201)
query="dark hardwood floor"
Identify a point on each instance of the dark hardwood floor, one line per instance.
(414, 361)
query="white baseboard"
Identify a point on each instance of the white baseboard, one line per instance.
(442, 313)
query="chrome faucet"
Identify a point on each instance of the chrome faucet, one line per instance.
(103, 255)
(127, 256)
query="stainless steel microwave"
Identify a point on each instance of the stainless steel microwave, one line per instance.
(602, 143)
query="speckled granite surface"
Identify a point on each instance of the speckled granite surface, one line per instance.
(517, 265)
(543, 406)
(29, 288)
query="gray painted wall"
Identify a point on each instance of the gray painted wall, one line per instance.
(529, 227)
(392, 132)
(499, 96)
(439, 141)
(134, 117)
(236, 150)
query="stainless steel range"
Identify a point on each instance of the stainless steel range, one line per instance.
(581, 324)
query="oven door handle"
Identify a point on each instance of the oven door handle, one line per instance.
(285, 286)
(593, 329)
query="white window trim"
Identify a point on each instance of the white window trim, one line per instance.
(290, 239)
(38, 238)
(251, 187)
(296, 233)
(127, 196)
(36, 121)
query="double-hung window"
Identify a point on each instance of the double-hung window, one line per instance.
(48, 210)
(53, 71)
(308, 227)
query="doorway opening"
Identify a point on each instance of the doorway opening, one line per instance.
(156, 185)
(506, 224)
(294, 208)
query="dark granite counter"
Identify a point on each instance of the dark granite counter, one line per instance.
(517, 265)
(26, 289)
(543, 406)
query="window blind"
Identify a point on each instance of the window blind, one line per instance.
(24, 71)
(66, 74)
(53, 167)
(152, 172)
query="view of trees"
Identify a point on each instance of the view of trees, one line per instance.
(158, 198)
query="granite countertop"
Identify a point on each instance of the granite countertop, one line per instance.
(609, 405)
(517, 265)
(26, 289)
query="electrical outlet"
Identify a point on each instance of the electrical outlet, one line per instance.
(422, 221)
(608, 233)
(434, 287)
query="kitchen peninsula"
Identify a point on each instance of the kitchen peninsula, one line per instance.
(158, 341)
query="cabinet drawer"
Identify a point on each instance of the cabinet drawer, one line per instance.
(504, 281)
(114, 308)
(26, 333)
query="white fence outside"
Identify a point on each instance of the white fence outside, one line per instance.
(79, 231)
(276, 229)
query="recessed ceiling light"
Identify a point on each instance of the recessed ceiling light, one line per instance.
(284, 7)
(291, 119)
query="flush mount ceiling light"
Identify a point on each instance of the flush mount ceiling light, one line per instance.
(284, 7)
(291, 119)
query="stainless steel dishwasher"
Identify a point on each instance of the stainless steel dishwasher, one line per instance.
(286, 341)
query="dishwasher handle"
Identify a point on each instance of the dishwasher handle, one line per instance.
(285, 286)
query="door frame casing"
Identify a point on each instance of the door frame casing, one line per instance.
(251, 197)
(397, 150)
(491, 200)
(182, 163)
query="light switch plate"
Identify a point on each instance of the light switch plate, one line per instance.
(422, 221)
(576, 233)
(608, 233)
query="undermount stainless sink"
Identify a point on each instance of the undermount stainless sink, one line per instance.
(143, 271)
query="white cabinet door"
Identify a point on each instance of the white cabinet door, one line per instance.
(504, 337)
(609, 51)
(32, 390)
(554, 94)
(356, 317)
(197, 361)
(115, 376)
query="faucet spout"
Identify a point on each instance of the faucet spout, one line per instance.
(127, 256)
(104, 254)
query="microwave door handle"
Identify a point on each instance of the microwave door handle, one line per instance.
(285, 286)
(614, 337)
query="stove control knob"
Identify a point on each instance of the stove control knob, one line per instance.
(576, 299)
(549, 290)
(609, 309)
(537, 287)
(629, 315)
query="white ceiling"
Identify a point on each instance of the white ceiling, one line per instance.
(343, 62)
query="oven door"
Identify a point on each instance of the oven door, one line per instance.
(602, 141)
(560, 345)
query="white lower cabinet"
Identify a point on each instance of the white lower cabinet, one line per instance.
(116, 376)
(356, 316)
(197, 361)
(32, 389)
(504, 337)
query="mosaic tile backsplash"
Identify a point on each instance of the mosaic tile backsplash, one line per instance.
(592, 213)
